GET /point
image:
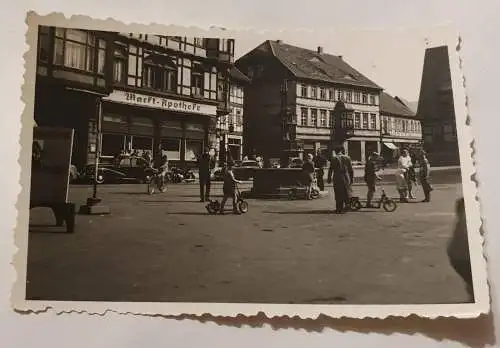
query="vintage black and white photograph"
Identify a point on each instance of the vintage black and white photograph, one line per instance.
(176, 168)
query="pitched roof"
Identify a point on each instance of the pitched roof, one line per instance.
(413, 106)
(309, 64)
(237, 75)
(390, 105)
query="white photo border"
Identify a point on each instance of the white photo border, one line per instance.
(470, 192)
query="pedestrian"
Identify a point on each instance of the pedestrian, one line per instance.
(229, 189)
(342, 173)
(147, 157)
(319, 164)
(458, 248)
(404, 163)
(205, 164)
(424, 176)
(308, 174)
(411, 178)
(163, 169)
(371, 177)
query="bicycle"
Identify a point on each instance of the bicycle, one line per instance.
(156, 182)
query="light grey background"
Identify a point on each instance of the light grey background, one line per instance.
(478, 22)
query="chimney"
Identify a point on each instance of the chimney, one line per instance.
(341, 57)
(320, 49)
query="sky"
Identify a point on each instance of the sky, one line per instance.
(392, 59)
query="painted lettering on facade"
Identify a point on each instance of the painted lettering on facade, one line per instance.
(161, 103)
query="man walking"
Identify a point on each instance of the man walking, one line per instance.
(343, 174)
(205, 164)
(371, 177)
(424, 174)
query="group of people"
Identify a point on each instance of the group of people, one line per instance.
(341, 173)
(406, 177)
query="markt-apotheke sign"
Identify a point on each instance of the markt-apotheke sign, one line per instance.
(161, 103)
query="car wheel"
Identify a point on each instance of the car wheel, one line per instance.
(100, 179)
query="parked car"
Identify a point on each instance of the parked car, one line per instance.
(124, 169)
(246, 169)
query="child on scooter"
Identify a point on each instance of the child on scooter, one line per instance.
(229, 189)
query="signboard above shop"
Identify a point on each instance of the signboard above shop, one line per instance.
(168, 104)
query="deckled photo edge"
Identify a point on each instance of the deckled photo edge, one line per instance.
(20, 304)
(472, 200)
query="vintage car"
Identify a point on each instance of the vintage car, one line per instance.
(124, 169)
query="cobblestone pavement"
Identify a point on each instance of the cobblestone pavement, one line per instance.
(166, 247)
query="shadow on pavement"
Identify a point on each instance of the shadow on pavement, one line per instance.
(188, 213)
(168, 201)
(324, 211)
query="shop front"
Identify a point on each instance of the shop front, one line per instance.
(137, 123)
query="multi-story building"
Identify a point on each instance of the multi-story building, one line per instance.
(306, 85)
(400, 127)
(230, 127)
(151, 92)
(436, 109)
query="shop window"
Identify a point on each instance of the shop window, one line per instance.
(172, 148)
(141, 144)
(79, 49)
(112, 144)
(194, 149)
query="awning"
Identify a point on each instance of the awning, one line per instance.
(391, 146)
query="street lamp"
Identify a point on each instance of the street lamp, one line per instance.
(94, 204)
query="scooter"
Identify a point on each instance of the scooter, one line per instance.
(213, 207)
(384, 201)
(293, 193)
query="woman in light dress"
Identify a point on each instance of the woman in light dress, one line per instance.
(404, 165)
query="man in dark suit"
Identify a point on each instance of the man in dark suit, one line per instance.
(342, 172)
(205, 164)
